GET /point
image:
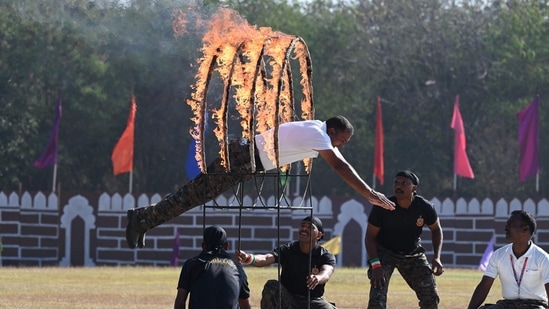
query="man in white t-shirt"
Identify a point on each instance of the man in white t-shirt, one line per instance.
(296, 141)
(522, 266)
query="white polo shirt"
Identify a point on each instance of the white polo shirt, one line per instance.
(533, 267)
(296, 141)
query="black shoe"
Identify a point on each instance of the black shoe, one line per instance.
(135, 234)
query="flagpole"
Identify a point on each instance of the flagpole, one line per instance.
(131, 179)
(455, 180)
(537, 182)
(54, 177)
(374, 181)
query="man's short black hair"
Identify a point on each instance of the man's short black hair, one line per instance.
(340, 124)
(526, 219)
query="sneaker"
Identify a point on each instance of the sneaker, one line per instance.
(135, 234)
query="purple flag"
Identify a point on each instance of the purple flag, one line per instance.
(528, 138)
(191, 165)
(49, 156)
(487, 254)
(175, 251)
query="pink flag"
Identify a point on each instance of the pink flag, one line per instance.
(49, 155)
(122, 155)
(528, 137)
(378, 151)
(461, 162)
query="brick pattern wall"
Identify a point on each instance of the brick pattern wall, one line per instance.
(77, 229)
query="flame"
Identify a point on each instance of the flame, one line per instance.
(254, 64)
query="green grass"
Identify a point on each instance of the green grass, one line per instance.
(155, 287)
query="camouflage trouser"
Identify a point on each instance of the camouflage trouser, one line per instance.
(200, 190)
(516, 304)
(270, 298)
(416, 272)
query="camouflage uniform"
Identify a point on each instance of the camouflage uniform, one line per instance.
(271, 295)
(415, 270)
(202, 189)
(398, 243)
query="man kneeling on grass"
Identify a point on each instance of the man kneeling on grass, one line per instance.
(299, 283)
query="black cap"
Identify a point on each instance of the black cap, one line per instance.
(413, 177)
(316, 221)
(214, 237)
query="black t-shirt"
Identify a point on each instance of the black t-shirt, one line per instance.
(215, 281)
(295, 267)
(400, 229)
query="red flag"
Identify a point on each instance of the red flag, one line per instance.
(528, 136)
(122, 155)
(461, 162)
(378, 151)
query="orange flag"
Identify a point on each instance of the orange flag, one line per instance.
(378, 152)
(461, 161)
(122, 155)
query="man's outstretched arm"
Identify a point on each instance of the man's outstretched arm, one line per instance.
(351, 177)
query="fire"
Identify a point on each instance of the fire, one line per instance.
(254, 65)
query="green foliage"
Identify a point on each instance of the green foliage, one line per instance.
(98, 56)
(417, 55)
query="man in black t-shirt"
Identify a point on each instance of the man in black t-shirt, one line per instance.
(213, 279)
(393, 241)
(298, 279)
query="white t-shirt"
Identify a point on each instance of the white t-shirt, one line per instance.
(534, 277)
(296, 141)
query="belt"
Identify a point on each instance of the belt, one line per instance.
(416, 252)
(303, 297)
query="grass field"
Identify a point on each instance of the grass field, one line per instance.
(155, 287)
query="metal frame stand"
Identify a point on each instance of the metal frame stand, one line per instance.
(258, 184)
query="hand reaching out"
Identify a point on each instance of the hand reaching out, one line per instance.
(379, 199)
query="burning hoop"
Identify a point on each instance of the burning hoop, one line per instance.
(254, 66)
